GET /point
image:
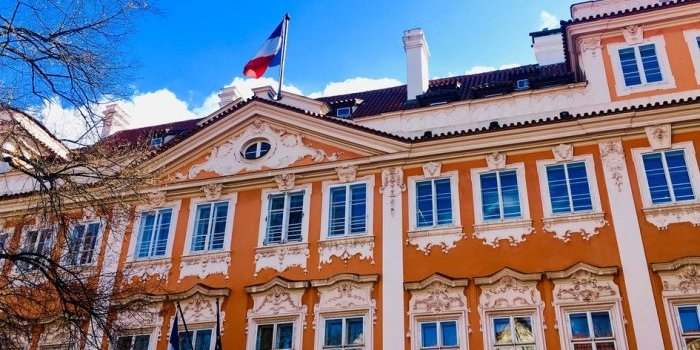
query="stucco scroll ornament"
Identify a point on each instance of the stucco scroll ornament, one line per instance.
(281, 258)
(347, 173)
(212, 192)
(437, 298)
(432, 169)
(199, 309)
(659, 136)
(496, 160)
(509, 292)
(614, 161)
(276, 301)
(392, 185)
(156, 199)
(285, 181)
(345, 249)
(563, 152)
(685, 280)
(591, 45)
(633, 34)
(585, 287)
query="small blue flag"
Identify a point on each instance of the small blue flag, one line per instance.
(174, 336)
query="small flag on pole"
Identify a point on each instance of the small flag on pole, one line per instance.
(174, 343)
(269, 55)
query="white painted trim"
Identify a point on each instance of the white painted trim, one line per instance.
(616, 320)
(131, 254)
(325, 207)
(668, 82)
(297, 325)
(231, 199)
(691, 36)
(454, 183)
(304, 221)
(671, 308)
(367, 326)
(98, 240)
(533, 313)
(151, 332)
(462, 327)
(522, 192)
(393, 306)
(691, 164)
(592, 184)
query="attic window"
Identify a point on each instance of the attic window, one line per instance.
(255, 149)
(157, 141)
(343, 112)
(522, 84)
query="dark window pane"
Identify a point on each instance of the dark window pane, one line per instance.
(523, 330)
(579, 326)
(428, 333)
(334, 332)
(689, 319)
(652, 70)
(296, 213)
(358, 209)
(264, 337)
(449, 333)
(443, 194)
(186, 340)
(678, 172)
(628, 63)
(490, 204)
(162, 232)
(216, 241)
(355, 331)
(284, 335)
(558, 189)
(124, 343)
(337, 207)
(602, 327)
(202, 227)
(203, 340)
(656, 178)
(424, 203)
(141, 342)
(578, 182)
(509, 193)
(605, 345)
(275, 218)
(501, 330)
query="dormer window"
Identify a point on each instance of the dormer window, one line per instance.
(157, 141)
(343, 112)
(522, 84)
(256, 149)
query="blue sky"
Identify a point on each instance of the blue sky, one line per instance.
(191, 49)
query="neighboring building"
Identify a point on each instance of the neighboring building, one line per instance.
(549, 206)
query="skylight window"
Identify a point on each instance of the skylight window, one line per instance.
(343, 112)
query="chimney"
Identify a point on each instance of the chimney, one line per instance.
(548, 45)
(228, 95)
(114, 119)
(417, 55)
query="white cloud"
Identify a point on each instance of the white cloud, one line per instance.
(354, 85)
(483, 69)
(548, 20)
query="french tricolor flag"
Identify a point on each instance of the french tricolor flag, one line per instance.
(269, 55)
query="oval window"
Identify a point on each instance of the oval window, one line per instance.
(256, 150)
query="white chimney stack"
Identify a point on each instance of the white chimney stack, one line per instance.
(114, 119)
(228, 95)
(548, 45)
(417, 55)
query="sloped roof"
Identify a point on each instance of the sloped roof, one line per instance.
(631, 11)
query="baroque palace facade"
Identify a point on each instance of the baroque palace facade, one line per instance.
(548, 206)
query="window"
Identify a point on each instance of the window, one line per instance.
(640, 65)
(347, 210)
(157, 141)
(344, 333)
(433, 203)
(522, 84)
(667, 176)
(256, 150)
(133, 342)
(81, 244)
(201, 339)
(569, 191)
(688, 317)
(439, 335)
(591, 330)
(285, 212)
(154, 229)
(38, 242)
(210, 226)
(276, 336)
(343, 112)
(500, 198)
(513, 332)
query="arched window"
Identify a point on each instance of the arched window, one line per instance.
(256, 149)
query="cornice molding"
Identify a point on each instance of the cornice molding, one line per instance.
(507, 272)
(598, 271)
(276, 282)
(439, 278)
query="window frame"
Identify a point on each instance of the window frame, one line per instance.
(511, 317)
(199, 327)
(691, 37)
(690, 162)
(98, 246)
(326, 207)
(262, 232)
(668, 81)
(133, 241)
(231, 199)
(439, 319)
(533, 313)
(614, 309)
(569, 345)
(366, 331)
(522, 193)
(453, 176)
(277, 321)
(258, 142)
(135, 333)
(589, 162)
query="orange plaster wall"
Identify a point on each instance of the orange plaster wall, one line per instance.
(679, 59)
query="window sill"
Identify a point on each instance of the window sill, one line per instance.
(203, 264)
(346, 247)
(663, 215)
(563, 226)
(629, 90)
(512, 230)
(144, 269)
(281, 257)
(443, 237)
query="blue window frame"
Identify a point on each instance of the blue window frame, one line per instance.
(640, 65)
(344, 333)
(689, 322)
(201, 339)
(82, 242)
(500, 196)
(433, 203)
(275, 336)
(667, 176)
(284, 217)
(210, 226)
(591, 330)
(439, 335)
(569, 190)
(154, 229)
(347, 210)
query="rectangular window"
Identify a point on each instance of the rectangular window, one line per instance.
(210, 226)
(133, 342)
(513, 332)
(439, 335)
(344, 333)
(284, 217)
(201, 339)
(569, 191)
(348, 210)
(667, 176)
(276, 336)
(689, 321)
(154, 229)
(39, 242)
(500, 198)
(637, 60)
(591, 330)
(82, 242)
(433, 203)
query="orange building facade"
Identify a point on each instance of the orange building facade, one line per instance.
(552, 206)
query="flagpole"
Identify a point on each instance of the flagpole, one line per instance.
(184, 323)
(218, 345)
(285, 27)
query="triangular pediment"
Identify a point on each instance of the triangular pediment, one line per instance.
(292, 138)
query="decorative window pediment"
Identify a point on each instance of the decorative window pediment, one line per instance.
(199, 304)
(681, 297)
(680, 277)
(57, 334)
(583, 283)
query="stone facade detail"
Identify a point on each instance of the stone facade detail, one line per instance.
(200, 308)
(280, 258)
(633, 34)
(680, 278)
(146, 269)
(345, 248)
(285, 182)
(659, 136)
(347, 173)
(203, 265)
(392, 185)
(146, 316)
(663, 216)
(445, 239)
(431, 170)
(346, 293)
(277, 298)
(584, 283)
(563, 152)
(512, 231)
(564, 227)
(496, 160)
(212, 192)
(614, 161)
(156, 199)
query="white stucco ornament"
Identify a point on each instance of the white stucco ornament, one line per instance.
(203, 265)
(514, 231)
(496, 160)
(633, 34)
(156, 199)
(613, 158)
(563, 152)
(659, 136)
(663, 216)
(285, 181)
(285, 149)
(347, 173)
(392, 185)
(344, 249)
(212, 192)
(146, 269)
(444, 239)
(431, 170)
(564, 227)
(280, 258)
